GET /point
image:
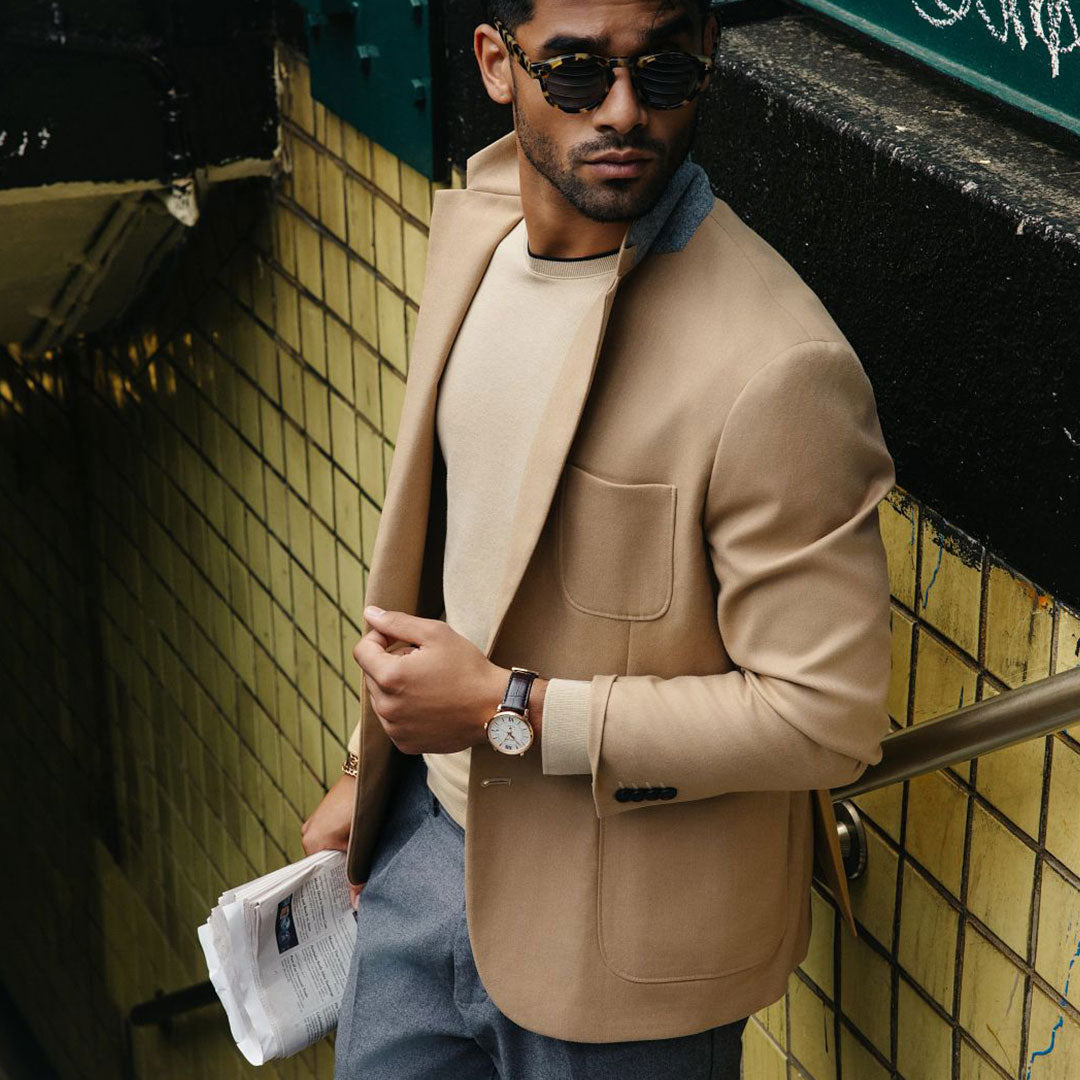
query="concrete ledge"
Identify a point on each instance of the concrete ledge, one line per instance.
(1023, 167)
(941, 229)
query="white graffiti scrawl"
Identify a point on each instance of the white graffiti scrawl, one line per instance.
(1052, 22)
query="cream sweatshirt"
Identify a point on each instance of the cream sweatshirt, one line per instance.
(501, 367)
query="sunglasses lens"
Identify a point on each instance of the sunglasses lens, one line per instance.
(668, 79)
(577, 84)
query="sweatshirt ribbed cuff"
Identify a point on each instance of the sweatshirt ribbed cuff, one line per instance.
(563, 735)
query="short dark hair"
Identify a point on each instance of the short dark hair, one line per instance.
(512, 13)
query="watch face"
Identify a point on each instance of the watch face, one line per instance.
(510, 733)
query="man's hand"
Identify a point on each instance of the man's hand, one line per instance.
(434, 698)
(328, 827)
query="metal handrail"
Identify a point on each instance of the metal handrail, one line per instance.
(1014, 716)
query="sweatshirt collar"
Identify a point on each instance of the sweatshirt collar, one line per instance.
(667, 227)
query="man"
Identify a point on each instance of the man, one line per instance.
(633, 512)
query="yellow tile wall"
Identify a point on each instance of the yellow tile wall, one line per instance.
(969, 910)
(187, 513)
(182, 605)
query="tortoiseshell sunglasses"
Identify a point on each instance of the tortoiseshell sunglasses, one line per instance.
(579, 82)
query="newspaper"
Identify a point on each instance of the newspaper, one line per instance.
(278, 950)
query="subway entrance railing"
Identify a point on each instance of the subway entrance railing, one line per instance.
(1014, 716)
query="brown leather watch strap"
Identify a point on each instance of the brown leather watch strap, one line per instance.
(518, 688)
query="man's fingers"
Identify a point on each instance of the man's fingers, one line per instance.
(372, 645)
(380, 663)
(405, 627)
(376, 637)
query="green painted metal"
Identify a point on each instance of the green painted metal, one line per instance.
(371, 64)
(1026, 52)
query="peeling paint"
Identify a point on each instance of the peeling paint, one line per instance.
(957, 542)
(904, 505)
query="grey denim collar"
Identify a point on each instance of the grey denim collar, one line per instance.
(684, 205)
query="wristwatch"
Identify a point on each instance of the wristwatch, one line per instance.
(509, 730)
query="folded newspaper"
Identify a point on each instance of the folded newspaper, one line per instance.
(278, 950)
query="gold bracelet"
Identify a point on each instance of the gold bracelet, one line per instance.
(352, 764)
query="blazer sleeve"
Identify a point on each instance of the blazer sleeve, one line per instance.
(791, 529)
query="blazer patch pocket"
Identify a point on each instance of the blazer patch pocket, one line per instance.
(695, 890)
(616, 545)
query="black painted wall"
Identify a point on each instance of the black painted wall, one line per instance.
(958, 290)
(105, 90)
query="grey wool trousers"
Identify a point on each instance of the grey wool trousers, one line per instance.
(414, 1006)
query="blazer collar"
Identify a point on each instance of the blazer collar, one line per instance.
(466, 227)
(667, 227)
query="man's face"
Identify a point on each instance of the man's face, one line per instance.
(561, 146)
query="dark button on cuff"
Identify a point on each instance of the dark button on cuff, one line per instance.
(638, 794)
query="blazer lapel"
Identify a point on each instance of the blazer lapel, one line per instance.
(668, 226)
(470, 227)
(466, 228)
(547, 455)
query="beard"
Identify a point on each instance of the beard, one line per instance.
(605, 200)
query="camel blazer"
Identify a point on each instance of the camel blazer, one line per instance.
(697, 534)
